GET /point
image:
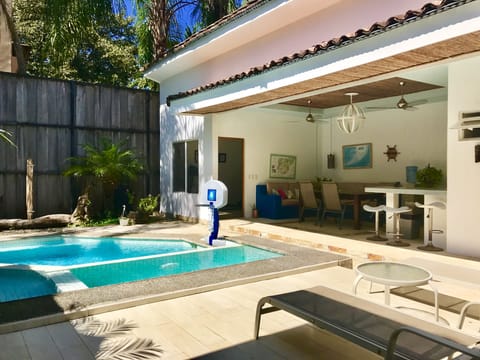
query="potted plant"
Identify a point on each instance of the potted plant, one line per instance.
(254, 211)
(429, 177)
(146, 207)
(123, 220)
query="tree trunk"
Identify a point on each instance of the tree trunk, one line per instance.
(16, 40)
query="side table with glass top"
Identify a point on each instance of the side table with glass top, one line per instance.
(395, 274)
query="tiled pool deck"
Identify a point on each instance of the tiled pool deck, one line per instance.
(217, 322)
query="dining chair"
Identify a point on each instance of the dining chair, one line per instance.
(308, 201)
(332, 204)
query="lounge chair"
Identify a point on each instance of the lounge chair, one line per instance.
(378, 328)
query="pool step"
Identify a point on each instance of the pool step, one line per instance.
(66, 281)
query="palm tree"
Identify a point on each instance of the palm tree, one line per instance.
(109, 166)
(156, 23)
(209, 11)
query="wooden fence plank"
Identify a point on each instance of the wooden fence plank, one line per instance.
(52, 120)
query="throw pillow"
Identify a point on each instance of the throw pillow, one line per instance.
(282, 194)
(275, 192)
(290, 194)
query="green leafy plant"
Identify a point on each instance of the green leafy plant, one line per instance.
(7, 137)
(429, 177)
(108, 165)
(148, 205)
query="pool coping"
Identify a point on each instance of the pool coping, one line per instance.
(45, 310)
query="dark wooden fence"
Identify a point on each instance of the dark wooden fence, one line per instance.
(52, 120)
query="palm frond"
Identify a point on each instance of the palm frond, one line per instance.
(94, 327)
(6, 136)
(129, 349)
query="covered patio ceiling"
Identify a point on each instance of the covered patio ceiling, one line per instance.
(316, 89)
(366, 92)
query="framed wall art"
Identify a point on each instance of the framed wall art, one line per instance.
(282, 166)
(358, 156)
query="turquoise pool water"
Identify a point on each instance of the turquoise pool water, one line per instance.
(71, 250)
(120, 272)
(23, 284)
(79, 263)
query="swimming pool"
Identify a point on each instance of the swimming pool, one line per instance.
(24, 284)
(72, 250)
(72, 263)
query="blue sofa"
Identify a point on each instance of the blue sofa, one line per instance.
(272, 206)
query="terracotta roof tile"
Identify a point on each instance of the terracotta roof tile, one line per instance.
(375, 29)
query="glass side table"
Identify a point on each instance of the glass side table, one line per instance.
(395, 274)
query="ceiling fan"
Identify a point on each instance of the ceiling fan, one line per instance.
(402, 104)
(310, 118)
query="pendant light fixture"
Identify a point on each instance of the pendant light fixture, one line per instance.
(351, 118)
(309, 117)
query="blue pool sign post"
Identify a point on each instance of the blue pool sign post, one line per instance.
(215, 196)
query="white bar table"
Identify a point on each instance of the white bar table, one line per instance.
(430, 195)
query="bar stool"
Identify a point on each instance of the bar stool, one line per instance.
(395, 212)
(436, 204)
(376, 210)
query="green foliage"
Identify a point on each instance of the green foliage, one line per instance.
(209, 11)
(108, 220)
(7, 137)
(110, 163)
(109, 166)
(93, 44)
(429, 177)
(93, 41)
(148, 205)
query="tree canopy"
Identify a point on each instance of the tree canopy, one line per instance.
(94, 41)
(103, 52)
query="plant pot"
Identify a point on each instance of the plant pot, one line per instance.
(255, 213)
(123, 221)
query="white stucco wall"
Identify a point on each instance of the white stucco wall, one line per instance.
(323, 25)
(267, 133)
(271, 38)
(420, 137)
(463, 197)
(175, 128)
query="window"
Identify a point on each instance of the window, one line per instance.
(185, 166)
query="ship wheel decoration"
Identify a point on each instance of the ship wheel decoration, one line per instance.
(391, 153)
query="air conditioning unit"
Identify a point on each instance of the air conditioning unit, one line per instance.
(468, 125)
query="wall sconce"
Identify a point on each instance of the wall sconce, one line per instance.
(331, 155)
(331, 161)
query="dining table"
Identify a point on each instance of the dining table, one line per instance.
(358, 195)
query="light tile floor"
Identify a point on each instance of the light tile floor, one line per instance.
(219, 324)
